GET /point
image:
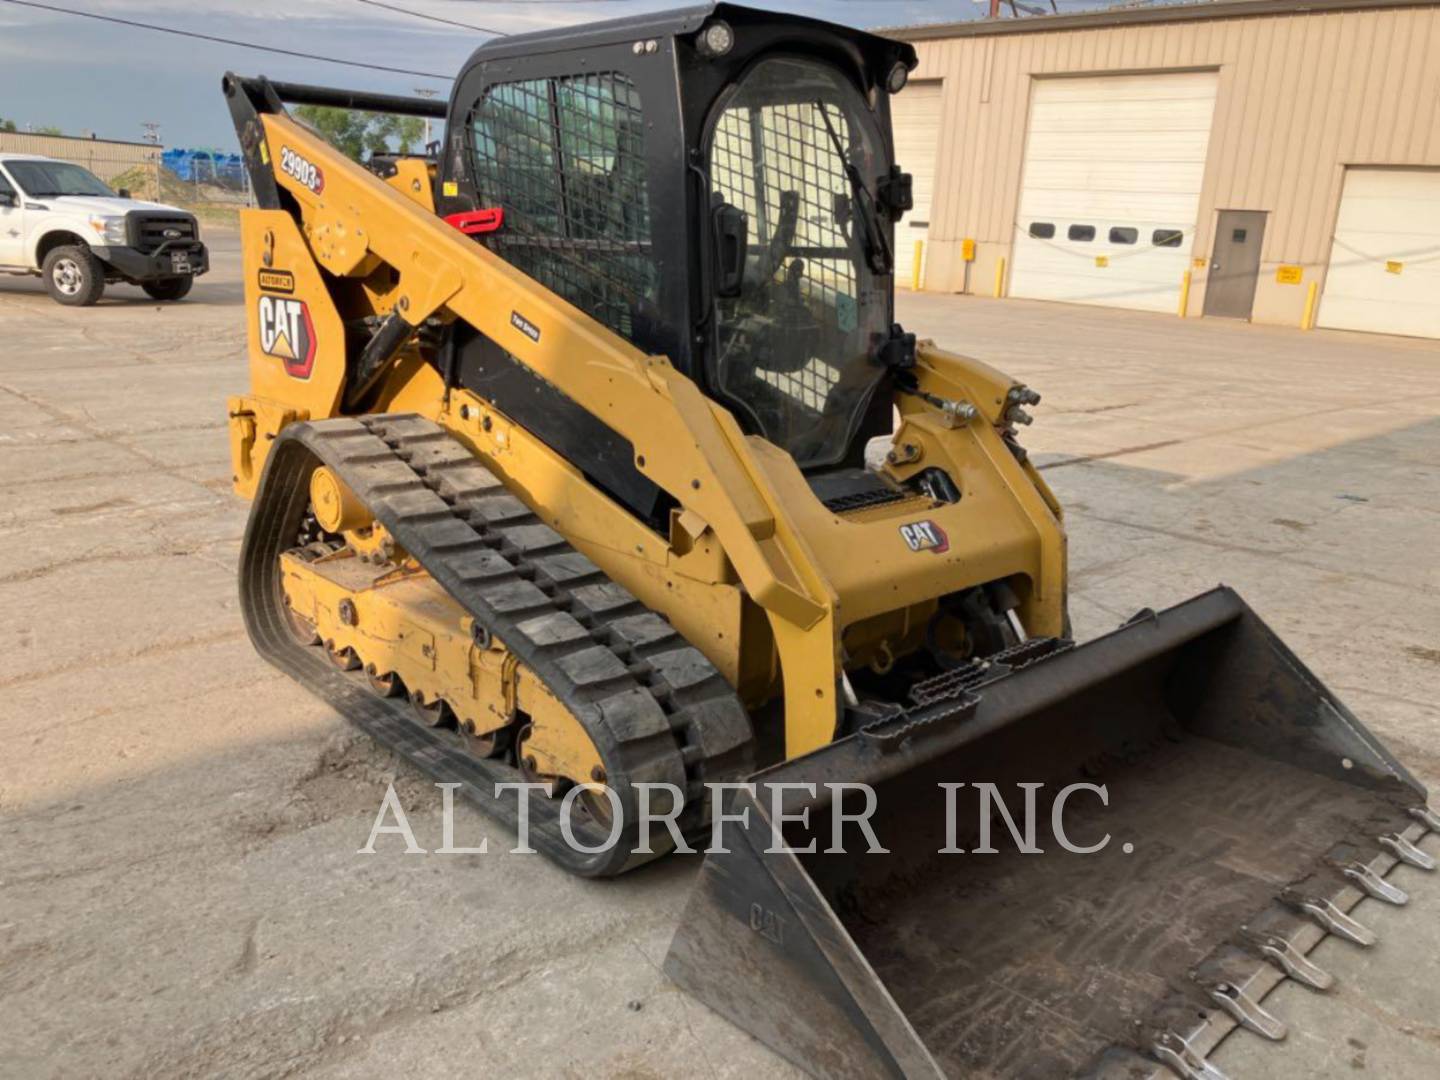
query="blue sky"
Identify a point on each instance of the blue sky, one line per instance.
(82, 75)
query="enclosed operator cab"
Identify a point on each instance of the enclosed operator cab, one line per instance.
(755, 250)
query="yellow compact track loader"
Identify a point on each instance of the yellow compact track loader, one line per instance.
(557, 447)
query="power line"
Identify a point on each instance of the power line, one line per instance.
(547, 3)
(1092, 4)
(223, 41)
(432, 18)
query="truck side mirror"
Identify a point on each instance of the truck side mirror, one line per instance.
(7, 198)
(731, 232)
(124, 193)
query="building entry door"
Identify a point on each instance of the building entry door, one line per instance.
(1235, 264)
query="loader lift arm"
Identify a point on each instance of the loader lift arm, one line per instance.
(685, 443)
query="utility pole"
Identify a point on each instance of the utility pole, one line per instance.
(427, 93)
(152, 135)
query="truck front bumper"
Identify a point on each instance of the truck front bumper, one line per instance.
(140, 266)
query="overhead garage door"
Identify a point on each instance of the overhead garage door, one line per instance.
(915, 114)
(1384, 271)
(1111, 188)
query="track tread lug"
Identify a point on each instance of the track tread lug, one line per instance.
(481, 564)
(528, 538)
(721, 726)
(645, 629)
(592, 666)
(497, 509)
(566, 567)
(682, 669)
(603, 600)
(465, 484)
(450, 534)
(553, 628)
(512, 597)
(399, 426)
(421, 502)
(633, 715)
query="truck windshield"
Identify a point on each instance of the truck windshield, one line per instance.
(51, 179)
(795, 349)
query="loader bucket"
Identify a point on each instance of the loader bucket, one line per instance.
(1248, 812)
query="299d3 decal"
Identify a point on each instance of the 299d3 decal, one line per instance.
(308, 173)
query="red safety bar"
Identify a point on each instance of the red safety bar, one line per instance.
(478, 222)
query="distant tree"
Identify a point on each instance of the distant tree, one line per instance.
(7, 125)
(359, 135)
(406, 132)
(343, 127)
(48, 129)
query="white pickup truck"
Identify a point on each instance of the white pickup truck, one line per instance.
(60, 221)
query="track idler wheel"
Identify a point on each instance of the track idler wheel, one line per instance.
(301, 629)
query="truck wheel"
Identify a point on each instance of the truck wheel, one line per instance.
(73, 276)
(170, 288)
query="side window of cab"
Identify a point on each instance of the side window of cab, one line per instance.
(564, 157)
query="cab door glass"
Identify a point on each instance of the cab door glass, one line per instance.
(795, 350)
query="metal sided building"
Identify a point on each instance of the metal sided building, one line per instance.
(1276, 160)
(106, 158)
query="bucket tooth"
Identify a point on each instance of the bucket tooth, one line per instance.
(1330, 918)
(1247, 1012)
(1291, 961)
(1407, 852)
(1183, 1061)
(1374, 885)
(1427, 817)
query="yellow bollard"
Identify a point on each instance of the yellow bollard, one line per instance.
(1000, 278)
(915, 266)
(1185, 294)
(1307, 321)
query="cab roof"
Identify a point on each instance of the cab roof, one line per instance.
(676, 22)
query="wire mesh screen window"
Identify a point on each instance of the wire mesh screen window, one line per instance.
(565, 158)
(761, 153)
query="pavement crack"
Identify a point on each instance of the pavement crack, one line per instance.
(684, 1010)
(1098, 409)
(1085, 459)
(111, 659)
(1290, 555)
(36, 572)
(86, 423)
(248, 959)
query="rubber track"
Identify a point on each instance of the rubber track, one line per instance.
(657, 709)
